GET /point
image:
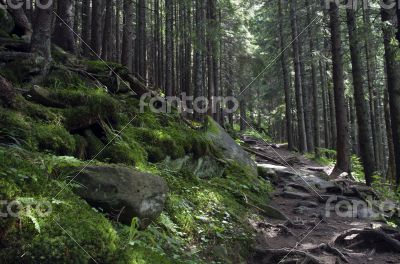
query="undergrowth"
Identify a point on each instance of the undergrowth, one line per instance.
(205, 219)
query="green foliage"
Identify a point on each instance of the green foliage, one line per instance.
(357, 169)
(258, 135)
(54, 138)
(327, 156)
(205, 220)
(43, 238)
(19, 129)
(18, 72)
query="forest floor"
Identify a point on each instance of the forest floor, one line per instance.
(325, 221)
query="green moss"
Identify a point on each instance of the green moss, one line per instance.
(200, 212)
(95, 145)
(54, 138)
(100, 66)
(123, 152)
(41, 238)
(19, 71)
(37, 111)
(14, 127)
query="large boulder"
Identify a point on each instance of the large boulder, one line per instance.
(228, 146)
(123, 192)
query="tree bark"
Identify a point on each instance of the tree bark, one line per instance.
(393, 81)
(298, 82)
(117, 55)
(391, 171)
(41, 37)
(63, 35)
(141, 66)
(127, 39)
(198, 58)
(315, 101)
(86, 27)
(362, 111)
(324, 104)
(22, 26)
(96, 27)
(285, 76)
(169, 38)
(343, 144)
(107, 52)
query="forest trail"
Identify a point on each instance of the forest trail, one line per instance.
(312, 228)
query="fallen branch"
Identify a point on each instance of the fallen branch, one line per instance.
(264, 156)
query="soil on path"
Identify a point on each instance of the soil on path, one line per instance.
(323, 220)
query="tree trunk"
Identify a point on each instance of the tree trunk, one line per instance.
(96, 27)
(315, 123)
(22, 26)
(198, 58)
(141, 42)
(107, 53)
(393, 81)
(391, 172)
(285, 76)
(86, 27)
(299, 94)
(169, 38)
(243, 117)
(63, 35)
(77, 25)
(364, 128)
(127, 39)
(324, 104)
(343, 144)
(216, 56)
(41, 37)
(117, 55)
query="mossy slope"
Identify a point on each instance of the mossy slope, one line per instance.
(205, 219)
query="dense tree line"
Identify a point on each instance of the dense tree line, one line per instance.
(172, 46)
(329, 74)
(338, 81)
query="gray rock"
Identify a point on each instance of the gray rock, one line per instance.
(229, 148)
(123, 193)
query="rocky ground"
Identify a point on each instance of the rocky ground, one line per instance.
(318, 220)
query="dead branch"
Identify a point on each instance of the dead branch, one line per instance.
(264, 156)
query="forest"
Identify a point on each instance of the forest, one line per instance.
(200, 131)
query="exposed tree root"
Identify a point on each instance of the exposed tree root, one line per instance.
(7, 56)
(284, 229)
(331, 250)
(279, 255)
(379, 240)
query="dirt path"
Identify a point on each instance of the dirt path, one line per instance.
(317, 212)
